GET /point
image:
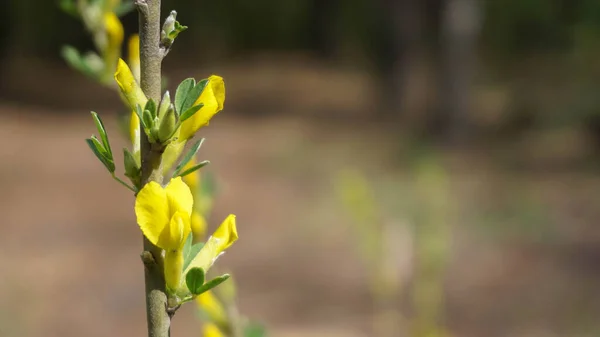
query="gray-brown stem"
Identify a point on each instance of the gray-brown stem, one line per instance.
(159, 320)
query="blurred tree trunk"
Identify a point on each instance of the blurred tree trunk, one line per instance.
(400, 53)
(322, 32)
(459, 30)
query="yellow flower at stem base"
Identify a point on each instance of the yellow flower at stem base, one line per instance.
(221, 239)
(213, 98)
(163, 215)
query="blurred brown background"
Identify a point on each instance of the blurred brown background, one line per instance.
(473, 125)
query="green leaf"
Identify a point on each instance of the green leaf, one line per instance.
(100, 147)
(132, 169)
(254, 329)
(165, 103)
(102, 132)
(182, 92)
(176, 30)
(190, 251)
(72, 56)
(168, 126)
(95, 145)
(194, 280)
(194, 168)
(148, 120)
(193, 94)
(210, 284)
(151, 106)
(190, 112)
(187, 247)
(188, 156)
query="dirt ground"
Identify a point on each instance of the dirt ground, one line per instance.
(524, 256)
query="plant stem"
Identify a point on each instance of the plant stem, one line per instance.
(157, 314)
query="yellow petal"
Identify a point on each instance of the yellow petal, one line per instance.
(198, 226)
(134, 131)
(172, 238)
(130, 89)
(211, 330)
(173, 264)
(192, 179)
(213, 98)
(114, 30)
(179, 197)
(221, 239)
(114, 38)
(133, 47)
(210, 305)
(226, 234)
(152, 211)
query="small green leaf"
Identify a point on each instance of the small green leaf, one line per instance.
(151, 106)
(102, 132)
(95, 145)
(182, 92)
(210, 284)
(165, 103)
(193, 94)
(194, 168)
(168, 126)
(148, 120)
(100, 147)
(188, 156)
(92, 63)
(132, 168)
(72, 56)
(194, 280)
(140, 113)
(191, 253)
(190, 112)
(187, 247)
(176, 30)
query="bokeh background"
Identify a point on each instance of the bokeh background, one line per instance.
(398, 168)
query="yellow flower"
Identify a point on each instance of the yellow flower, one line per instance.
(134, 132)
(133, 48)
(213, 98)
(210, 305)
(211, 330)
(114, 38)
(114, 30)
(130, 89)
(163, 215)
(221, 239)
